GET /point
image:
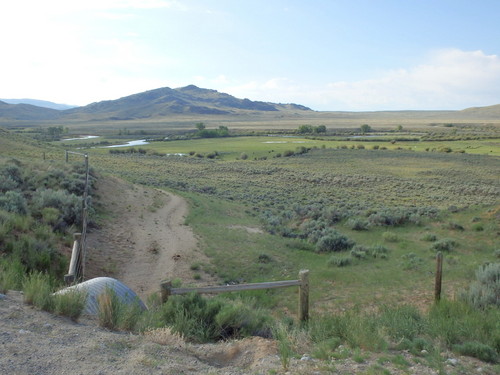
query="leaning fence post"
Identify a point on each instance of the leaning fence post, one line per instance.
(304, 295)
(165, 289)
(439, 277)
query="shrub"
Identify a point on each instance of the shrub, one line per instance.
(201, 320)
(70, 304)
(339, 261)
(12, 273)
(13, 201)
(37, 289)
(402, 322)
(485, 291)
(445, 245)
(390, 237)
(357, 224)
(333, 241)
(109, 309)
(411, 261)
(379, 251)
(243, 156)
(359, 252)
(477, 350)
(430, 237)
(288, 153)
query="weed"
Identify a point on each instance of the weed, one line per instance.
(109, 309)
(70, 303)
(478, 350)
(390, 237)
(37, 288)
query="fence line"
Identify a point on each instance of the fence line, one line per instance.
(303, 283)
(76, 270)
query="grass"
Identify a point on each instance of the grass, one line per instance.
(227, 192)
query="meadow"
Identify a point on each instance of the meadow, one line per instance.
(366, 221)
(399, 196)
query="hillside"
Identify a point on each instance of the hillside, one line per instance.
(165, 101)
(39, 103)
(26, 112)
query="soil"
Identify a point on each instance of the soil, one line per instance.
(142, 242)
(143, 239)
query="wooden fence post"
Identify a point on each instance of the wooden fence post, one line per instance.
(304, 295)
(165, 289)
(67, 156)
(439, 277)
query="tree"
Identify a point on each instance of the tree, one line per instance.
(304, 129)
(365, 128)
(320, 129)
(200, 126)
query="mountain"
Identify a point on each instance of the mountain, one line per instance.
(166, 101)
(39, 103)
(27, 112)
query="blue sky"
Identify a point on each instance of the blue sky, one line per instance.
(351, 55)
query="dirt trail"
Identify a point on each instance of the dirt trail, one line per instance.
(144, 239)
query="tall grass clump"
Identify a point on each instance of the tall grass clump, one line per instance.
(12, 273)
(456, 322)
(70, 303)
(110, 309)
(199, 319)
(37, 289)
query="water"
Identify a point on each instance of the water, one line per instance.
(81, 137)
(139, 142)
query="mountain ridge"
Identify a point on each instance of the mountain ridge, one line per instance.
(189, 100)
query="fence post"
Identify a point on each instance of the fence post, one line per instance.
(304, 295)
(67, 156)
(439, 277)
(165, 287)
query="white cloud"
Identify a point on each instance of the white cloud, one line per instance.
(448, 79)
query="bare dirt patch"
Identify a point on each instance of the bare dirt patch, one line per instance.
(143, 240)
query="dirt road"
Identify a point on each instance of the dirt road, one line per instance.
(144, 239)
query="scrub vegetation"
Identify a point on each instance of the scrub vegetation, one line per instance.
(366, 221)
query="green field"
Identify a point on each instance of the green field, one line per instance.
(366, 221)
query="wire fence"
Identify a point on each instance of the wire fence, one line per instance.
(76, 272)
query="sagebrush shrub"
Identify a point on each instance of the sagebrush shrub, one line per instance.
(485, 291)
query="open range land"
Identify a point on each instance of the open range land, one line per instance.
(364, 201)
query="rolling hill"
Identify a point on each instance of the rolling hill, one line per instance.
(191, 102)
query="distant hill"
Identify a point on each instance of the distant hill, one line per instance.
(489, 111)
(39, 103)
(25, 112)
(165, 101)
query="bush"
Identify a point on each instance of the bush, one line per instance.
(202, 320)
(477, 350)
(445, 245)
(13, 201)
(12, 273)
(390, 237)
(430, 237)
(379, 251)
(357, 224)
(37, 289)
(339, 261)
(109, 309)
(70, 304)
(485, 291)
(333, 241)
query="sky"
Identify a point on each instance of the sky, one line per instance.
(329, 55)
